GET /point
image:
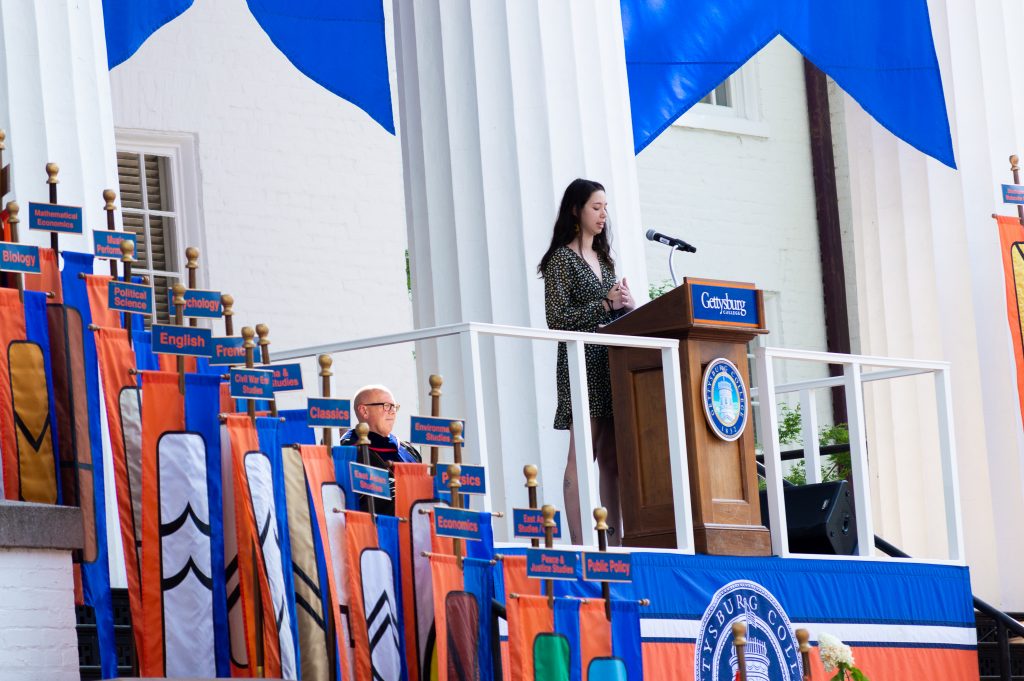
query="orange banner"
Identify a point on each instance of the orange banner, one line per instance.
(447, 576)
(595, 632)
(123, 406)
(360, 533)
(527, 617)
(516, 582)
(12, 328)
(1011, 246)
(96, 287)
(255, 587)
(163, 410)
(412, 483)
(48, 280)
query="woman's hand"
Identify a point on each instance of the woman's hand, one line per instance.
(625, 295)
(614, 297)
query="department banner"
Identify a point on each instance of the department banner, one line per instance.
(360, 535)
(1011, 245)
(413, 484)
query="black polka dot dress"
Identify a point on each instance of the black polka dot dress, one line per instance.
(572, 302)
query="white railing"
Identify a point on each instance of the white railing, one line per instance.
(852, 382)
(469, 334)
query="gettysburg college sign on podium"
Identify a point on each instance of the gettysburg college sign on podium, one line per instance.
(713, 321)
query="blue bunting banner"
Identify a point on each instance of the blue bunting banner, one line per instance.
(879, 52)
(129, 23)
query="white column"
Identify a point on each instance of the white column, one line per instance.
(501, 105)
(55, 106)
(930, 285)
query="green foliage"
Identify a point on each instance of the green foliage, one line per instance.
(836, 466)
(656, 290)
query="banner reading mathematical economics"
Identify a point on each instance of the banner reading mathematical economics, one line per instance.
(434, 431)
(50, 217)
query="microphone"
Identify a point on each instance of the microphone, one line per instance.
(670, 241)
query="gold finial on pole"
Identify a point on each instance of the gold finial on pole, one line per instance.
(192, 264)
(250, 346)
(262, 330)
(1015, 169)
(228, 301)
(179, 310)
(601, 517)
(454, 484)
(530, 471)
(109, 195)
(457, 442)
(363, 443)
(739, 639)
(435, 410)
(326, 361)
(3, 138)
(12, 219)
(363, 434)
(548, 513)
(1014, 163)
(803, 637)
(51, 179)
(127, 258)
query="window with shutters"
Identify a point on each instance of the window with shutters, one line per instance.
(158, 197)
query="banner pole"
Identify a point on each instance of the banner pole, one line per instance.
(127, 257)
(262, 330)
(109, 195)
(1015, 169)
(548, 511)
(192, 264)
(250, 347)
(179, 312)
(454, 483)
(51, 179)
(802, 637)
(530, 471)
(13, 220)
(435, 411)
(363, 432)
(325, 391)
(739, 639)
(228, 301)
(456, 430)
(4, 170)
(601, 515)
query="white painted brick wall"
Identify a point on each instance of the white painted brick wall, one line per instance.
(37, 616)
(302, 196)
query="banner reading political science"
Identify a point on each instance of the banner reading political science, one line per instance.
(1011, 246)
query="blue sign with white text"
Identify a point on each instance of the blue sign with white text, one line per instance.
(287, 377)
(458, 523)
(123, 296)
(472, 479)
(369, 481)
(19, 258)
(716, 304)
(198, 303)
(433, 430)
(529, 523)
(252, 384)
(1013, 193)
(50, 217)
(601, 566)
(551, 564)
(181, 340)
(108, 244)
(227, 350)
(328, 412)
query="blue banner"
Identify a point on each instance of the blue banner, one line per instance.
(457, 523)
(251, 384)
(388, 540)
(432, 430)
(287, 377)
(369, 481)
(343, 456)
(529, 523)
(50, 217)
(722, 304)
(227, 350)
(328, 412)
(600, 566)
(880, 52)
(478, 579)
(107, 244)
(129, 23)
(19, 258)
(472, 478)
(181, 340)
(123, 296)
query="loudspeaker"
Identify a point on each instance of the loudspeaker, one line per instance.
(820, 518)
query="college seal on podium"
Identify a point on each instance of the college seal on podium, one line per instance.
(725, 399)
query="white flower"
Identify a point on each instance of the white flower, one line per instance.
(834, 652)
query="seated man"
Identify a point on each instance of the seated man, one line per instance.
(375, 406)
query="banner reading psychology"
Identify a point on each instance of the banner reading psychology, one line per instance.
(50, 217)
(471, 477)
(227, 350)
(252, 384)
(198, 303)
(328, 412)
(457, 523)
(123, 296)
(551, 564)
(602, 566)
(181, 340)
(528, 523)
(369, 481)
(433, 431)
(19, 258)
(108, 244)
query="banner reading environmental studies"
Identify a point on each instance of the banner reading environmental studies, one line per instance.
(903, 620)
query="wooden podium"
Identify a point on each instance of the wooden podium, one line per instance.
(711, 320)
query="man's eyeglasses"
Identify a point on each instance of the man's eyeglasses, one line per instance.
(388, 407)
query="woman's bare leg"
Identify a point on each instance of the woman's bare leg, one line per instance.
(571, 494)
(608, 463)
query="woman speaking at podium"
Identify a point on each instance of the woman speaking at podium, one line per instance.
(580, 294)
